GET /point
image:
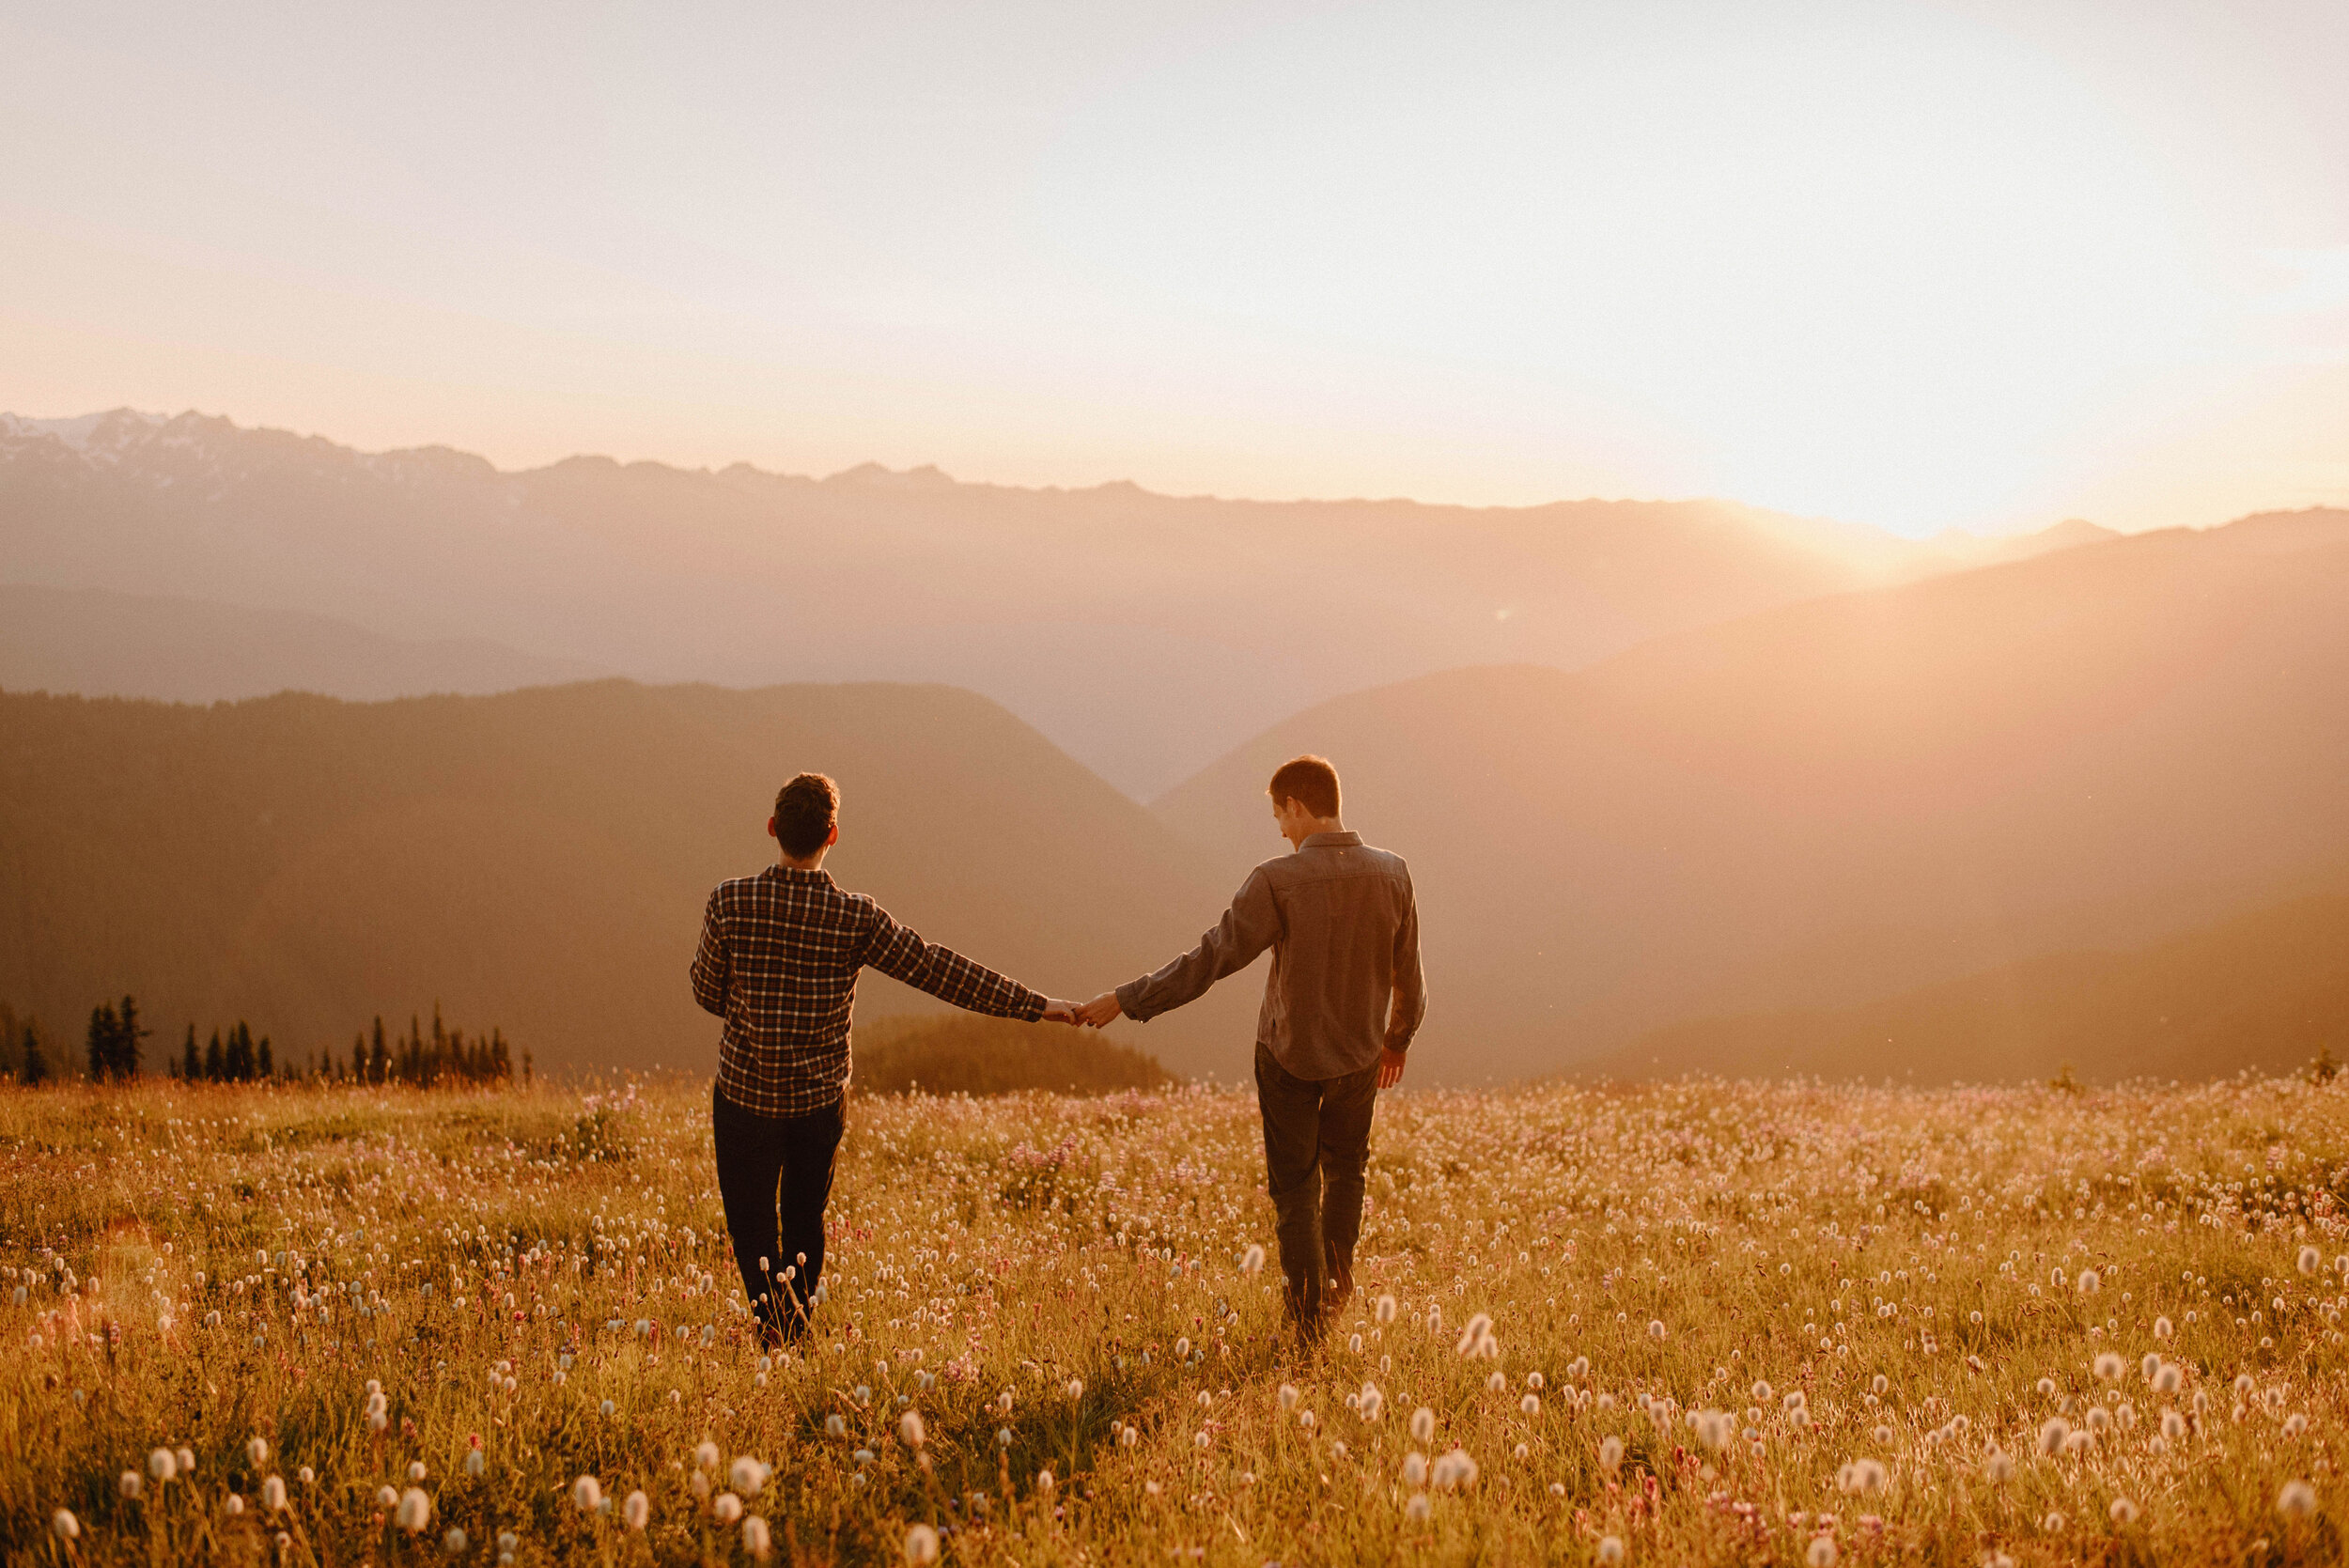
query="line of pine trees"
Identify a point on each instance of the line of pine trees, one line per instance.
(445, 1057)
(237, 1059)
(113, 1040)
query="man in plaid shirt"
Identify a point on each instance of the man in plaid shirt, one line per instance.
(779, 958)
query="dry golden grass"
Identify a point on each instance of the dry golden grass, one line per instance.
(1057, 1288)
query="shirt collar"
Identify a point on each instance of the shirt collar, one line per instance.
(793, 874)
(1330, 841)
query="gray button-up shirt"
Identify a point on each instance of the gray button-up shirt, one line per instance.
(1344, 930)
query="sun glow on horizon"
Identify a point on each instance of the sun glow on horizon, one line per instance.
(1915, 265)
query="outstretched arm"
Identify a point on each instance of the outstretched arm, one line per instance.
(902, 955)
(1248, 928)
(713, 972)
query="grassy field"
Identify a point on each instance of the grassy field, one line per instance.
(1726, 1324)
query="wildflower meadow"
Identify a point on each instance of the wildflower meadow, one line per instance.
(1695, 1322)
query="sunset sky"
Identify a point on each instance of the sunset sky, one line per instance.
(1984, 264)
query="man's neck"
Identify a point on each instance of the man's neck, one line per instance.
(813, 863)
(1317, 825)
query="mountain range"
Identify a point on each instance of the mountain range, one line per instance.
(1144, 634)
(1684, 785)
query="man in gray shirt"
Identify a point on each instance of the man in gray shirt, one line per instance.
(1344, 999)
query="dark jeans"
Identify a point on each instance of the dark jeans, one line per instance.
(775, 1177)
(1316, 1143)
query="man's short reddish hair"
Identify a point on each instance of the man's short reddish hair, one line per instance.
(1309, 780)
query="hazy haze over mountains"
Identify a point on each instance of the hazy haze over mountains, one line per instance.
(106, 645)
(1847, 798)
(1144, 634)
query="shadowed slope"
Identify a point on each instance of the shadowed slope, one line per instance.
(540, 859)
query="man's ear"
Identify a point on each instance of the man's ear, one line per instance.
(832, 837)
(771, 829)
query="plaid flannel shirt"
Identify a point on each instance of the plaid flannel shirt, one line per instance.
(779, 958)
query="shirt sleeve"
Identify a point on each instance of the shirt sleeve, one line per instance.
(713, 971)
(1409, 1007)
(1251, 925)
(902, 955)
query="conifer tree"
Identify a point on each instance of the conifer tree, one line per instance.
(215, 1060)
(103, 1025)
(239, 1064)
(191, 1060)
(36, 1067)
(127, 1037)
(265, 1065)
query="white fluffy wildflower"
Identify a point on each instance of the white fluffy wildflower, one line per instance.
(1452, 1471)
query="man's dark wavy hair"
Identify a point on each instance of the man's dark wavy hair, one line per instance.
(805, 809)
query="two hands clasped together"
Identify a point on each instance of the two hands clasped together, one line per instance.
(1104, 1008)
(1093, 1014)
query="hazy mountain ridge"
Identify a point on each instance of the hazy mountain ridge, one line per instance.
(2268, 990)
(539, 861)
(1843, 800)
(1146, 633)
(92, 643)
